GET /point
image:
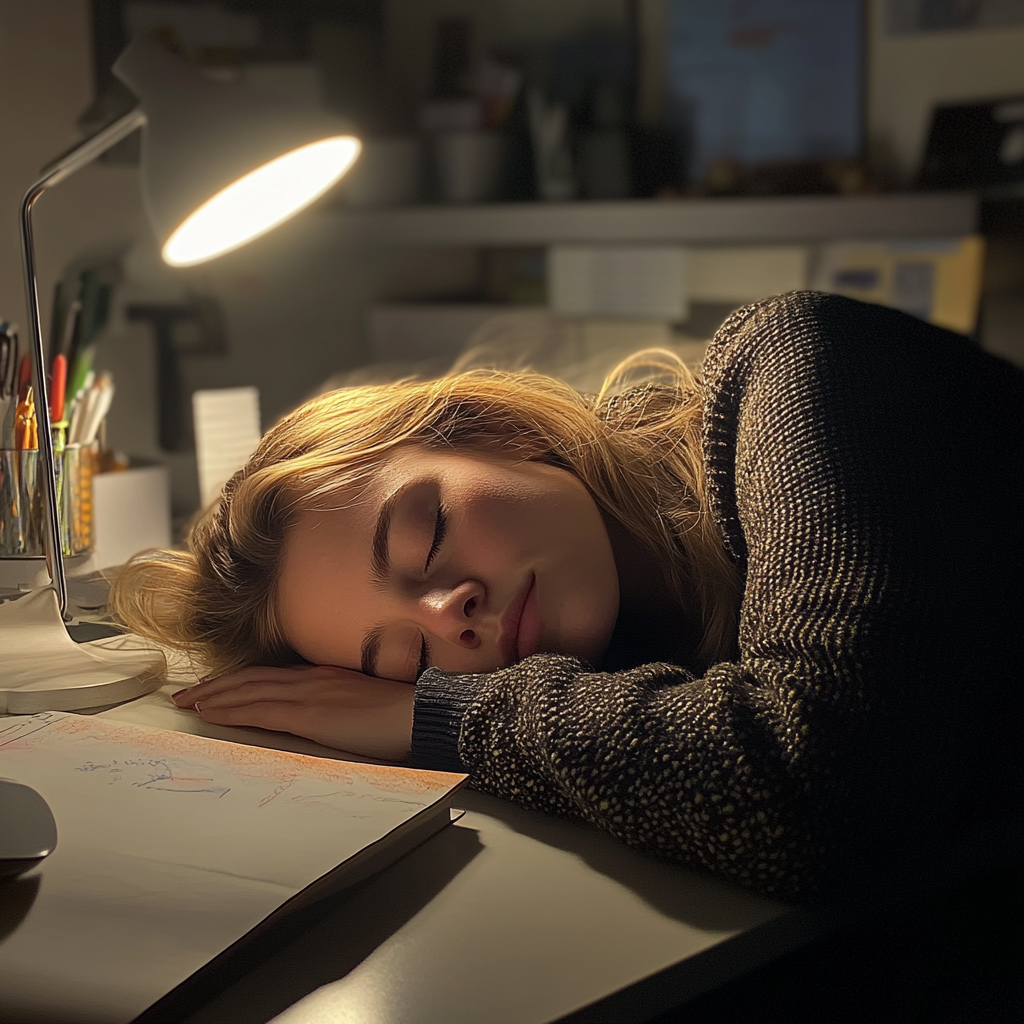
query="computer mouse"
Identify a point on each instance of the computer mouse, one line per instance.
(28, 832)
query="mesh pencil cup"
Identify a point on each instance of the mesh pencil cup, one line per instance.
(22, 506)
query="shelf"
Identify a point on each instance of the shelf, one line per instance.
(761, 220)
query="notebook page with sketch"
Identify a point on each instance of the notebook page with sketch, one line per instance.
(172, 846)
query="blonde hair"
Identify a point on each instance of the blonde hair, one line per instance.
(638, 452)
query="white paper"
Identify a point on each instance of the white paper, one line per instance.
(132, 513)
(170, 847)
(746, 273)
(227, 429)
(648, 282)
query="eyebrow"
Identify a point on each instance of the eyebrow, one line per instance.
(370, 650)
(380, 560)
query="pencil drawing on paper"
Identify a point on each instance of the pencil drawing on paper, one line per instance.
(110, 757)
(157, 773)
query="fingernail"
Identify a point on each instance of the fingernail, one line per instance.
(199, 708)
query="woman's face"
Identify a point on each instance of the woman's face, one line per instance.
(464, 563)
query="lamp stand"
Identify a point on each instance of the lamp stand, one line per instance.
(41, 667)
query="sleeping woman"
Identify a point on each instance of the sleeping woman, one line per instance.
(766, 621)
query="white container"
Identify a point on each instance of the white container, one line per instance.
(133, 513)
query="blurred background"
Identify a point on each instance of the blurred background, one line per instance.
(544, 184)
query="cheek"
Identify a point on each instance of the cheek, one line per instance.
(535, 524)
(498, 526)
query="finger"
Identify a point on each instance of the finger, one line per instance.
(221, 684)
(305, 686)
(250, 693)
(278, 716)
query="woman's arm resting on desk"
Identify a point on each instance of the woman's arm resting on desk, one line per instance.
(333, 706)
(870, 638)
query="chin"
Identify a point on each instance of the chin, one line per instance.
(589, 646)
(581, 618)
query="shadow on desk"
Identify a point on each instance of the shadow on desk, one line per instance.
(17, 898)
(291, 954)
(944, 947)
(713, 905)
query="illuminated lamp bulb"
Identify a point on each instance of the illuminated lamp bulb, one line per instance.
(260, 200)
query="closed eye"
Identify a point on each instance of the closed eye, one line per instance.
(424, 663)
(440, 529)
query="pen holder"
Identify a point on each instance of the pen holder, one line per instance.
(22, 506)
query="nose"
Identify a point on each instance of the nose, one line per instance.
(454, 615)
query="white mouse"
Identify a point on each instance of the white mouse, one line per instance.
(28, 832)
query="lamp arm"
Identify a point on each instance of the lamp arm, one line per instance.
(55, 172)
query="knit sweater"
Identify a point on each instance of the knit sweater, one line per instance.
(866, 471)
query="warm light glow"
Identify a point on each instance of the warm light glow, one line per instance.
(260, 200)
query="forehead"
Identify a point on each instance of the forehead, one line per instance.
(320, 585)
(337, 532)
(349, 515)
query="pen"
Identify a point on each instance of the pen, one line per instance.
(77, 325)
(8, 364)
(78, 409)
(8, 358)
(26, 435)
(101, 397)
(70, 326)
(91, 410)
(56, 320)
(10, 408)
(7, 427)
(79, 369)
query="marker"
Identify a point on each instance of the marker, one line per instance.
(58, 382)
(79, 368)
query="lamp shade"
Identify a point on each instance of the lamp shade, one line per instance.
(222, 163)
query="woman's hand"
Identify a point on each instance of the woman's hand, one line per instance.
(333, 706)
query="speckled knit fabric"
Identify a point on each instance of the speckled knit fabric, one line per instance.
(867, 472)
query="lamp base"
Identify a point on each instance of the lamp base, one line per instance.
(43, 669)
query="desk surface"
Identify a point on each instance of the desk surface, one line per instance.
(508, 916)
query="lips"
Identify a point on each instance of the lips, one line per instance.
(509, 640)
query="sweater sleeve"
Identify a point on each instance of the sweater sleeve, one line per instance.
(749, 770)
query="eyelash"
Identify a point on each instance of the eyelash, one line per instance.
(440, 529)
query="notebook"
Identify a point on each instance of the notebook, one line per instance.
(172, 847)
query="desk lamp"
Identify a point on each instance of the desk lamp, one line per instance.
(221, 165)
